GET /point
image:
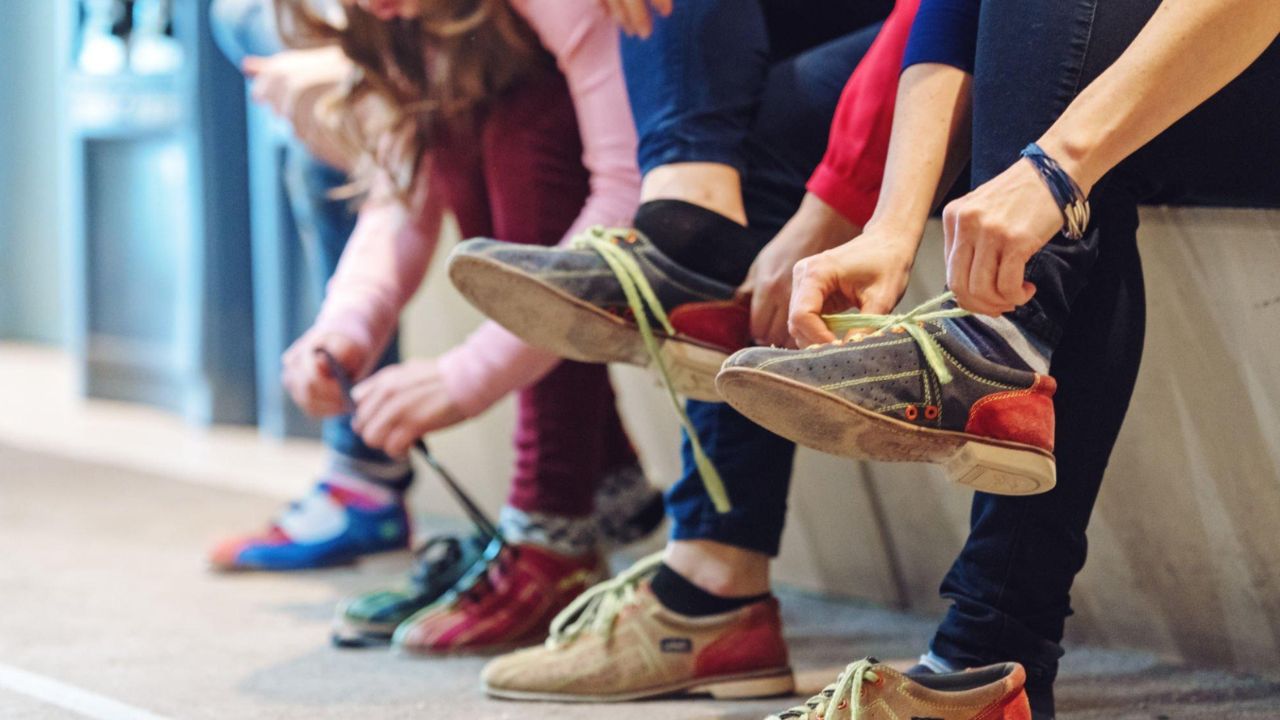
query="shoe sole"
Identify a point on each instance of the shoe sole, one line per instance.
(819, 420)
(554, 320)
(770, 683)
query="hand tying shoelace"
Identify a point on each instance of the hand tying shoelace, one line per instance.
(912, 322)
(596, 609)
(843, 693)
(644, 302)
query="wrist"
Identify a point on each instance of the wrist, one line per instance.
(1074, 152)
(822, 224)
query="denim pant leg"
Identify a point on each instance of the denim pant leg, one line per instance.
(788, 139)
(324, 226)
(1010, 586)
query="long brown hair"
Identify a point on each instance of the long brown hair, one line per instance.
(421, 76)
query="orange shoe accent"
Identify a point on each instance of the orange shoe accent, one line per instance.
(1015, 705)
(1021, 416)
(756, 644)
(726, 324)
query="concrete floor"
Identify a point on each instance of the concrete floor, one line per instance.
(105, 591)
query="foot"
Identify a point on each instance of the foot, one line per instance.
(333, 525)
(905, 388)
(869, 689)
(617, 643)
(582, 302)
(506, 602)
(443, 561)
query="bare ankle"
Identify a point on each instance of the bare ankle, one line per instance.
(720, 569)
(713, 186)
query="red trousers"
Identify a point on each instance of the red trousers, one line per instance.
(517, 175)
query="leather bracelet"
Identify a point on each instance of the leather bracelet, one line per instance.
(1070, 198)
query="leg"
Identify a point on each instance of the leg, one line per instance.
(1011, 583)
(569, 433)
(787, 141)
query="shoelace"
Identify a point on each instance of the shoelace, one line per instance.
(597, 608)
(844, 692)
(912, 322)
(643, 301)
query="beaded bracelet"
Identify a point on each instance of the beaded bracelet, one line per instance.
(1071, 200)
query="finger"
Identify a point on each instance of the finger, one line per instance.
(949, 221)
(638, 11)
(762, 311)
(398, 442)
(1011, 281)
(983, 272)
(252, 65)
(804, 321)
(617, 8)
(386, 420)
(876, 301)
(664, 7)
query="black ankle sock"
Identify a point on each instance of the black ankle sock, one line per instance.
(700, 240)
(679, 595)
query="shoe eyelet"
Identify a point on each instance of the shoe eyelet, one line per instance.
(931, 412)
(911, 412)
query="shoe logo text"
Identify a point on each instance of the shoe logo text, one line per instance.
(676, 645)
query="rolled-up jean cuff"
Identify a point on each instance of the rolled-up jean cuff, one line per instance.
(671, 151)
(1032, 320)
(756, 534)
(976, 643)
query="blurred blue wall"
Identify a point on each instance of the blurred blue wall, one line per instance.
(31, 297)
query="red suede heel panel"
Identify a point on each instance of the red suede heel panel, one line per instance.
(1015, 707)
(1021, 416)
(756, 644)
(725, 324)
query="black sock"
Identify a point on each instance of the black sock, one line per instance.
(679, 595)
(701, 240)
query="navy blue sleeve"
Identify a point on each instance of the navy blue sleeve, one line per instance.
(945, 32)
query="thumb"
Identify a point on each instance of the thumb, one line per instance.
(252, 65)
(876, 301)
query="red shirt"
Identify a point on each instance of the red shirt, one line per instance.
(851, 171)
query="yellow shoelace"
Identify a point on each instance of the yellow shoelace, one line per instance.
(643, 300)
(597, 608)
(912, 322)
(844, 692)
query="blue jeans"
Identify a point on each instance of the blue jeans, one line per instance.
(247, 27)
(1010, 586)
(753, 85)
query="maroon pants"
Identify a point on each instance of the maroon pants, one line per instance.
(518, 176)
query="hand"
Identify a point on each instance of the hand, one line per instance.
(292, 83)
(633, 15)
(991, 233)
(869, 272)
(400, 404)
(305, 373)
(814, 228)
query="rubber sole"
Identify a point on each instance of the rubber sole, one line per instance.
(822, 421)
(770, 683)
(547, 317)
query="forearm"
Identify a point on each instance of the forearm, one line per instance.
(929, 143)
(1188, 51)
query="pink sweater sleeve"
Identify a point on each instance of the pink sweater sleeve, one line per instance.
(492, 362)
(381, 267)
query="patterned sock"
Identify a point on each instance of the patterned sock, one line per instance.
(373, 483)
(1001, 341)
(572, 536)
(627, 506)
